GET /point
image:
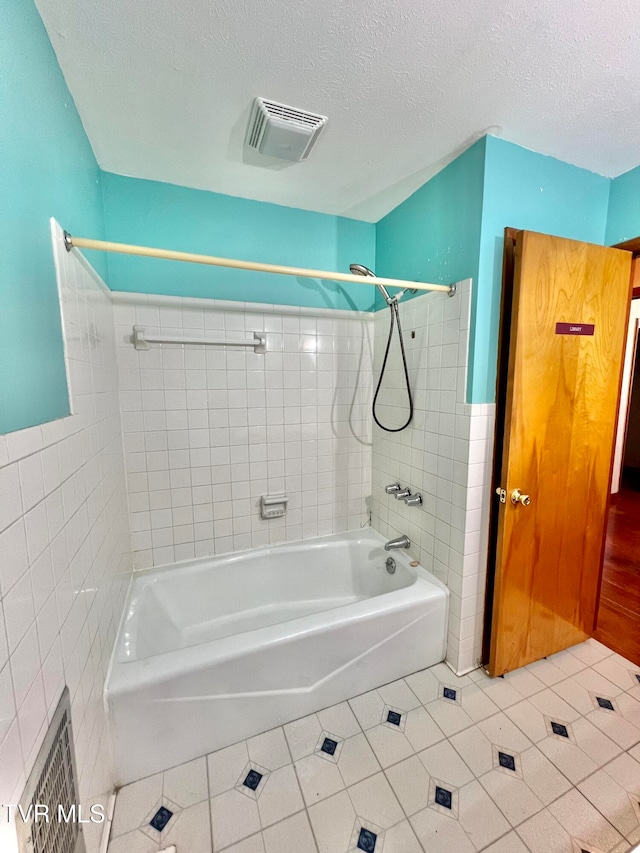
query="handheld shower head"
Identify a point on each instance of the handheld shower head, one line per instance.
(360, 269)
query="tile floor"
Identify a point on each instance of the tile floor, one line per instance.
(546, 760)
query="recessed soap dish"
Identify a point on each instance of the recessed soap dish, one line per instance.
(273, 506)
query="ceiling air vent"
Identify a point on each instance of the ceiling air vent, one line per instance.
(281, 131)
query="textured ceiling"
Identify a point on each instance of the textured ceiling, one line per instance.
(165, 88)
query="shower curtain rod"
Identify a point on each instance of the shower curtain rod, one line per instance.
(71, 242)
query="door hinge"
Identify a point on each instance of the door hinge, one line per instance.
(502, 494)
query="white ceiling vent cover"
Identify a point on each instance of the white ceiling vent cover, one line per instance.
(281, 131)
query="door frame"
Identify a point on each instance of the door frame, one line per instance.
(504, 341)
(632, 246)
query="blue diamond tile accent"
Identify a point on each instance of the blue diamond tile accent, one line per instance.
(507, 761)
(252, 779)
(448, 693)
(394, 718)
(367, 840)
(605, 703)
(443, 797)
(161, 818)
(559, 729)
(329, 746)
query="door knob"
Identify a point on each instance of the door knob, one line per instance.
(518, 498)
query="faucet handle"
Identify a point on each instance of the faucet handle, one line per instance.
(413, 500)
(403, 495)
(393, 488)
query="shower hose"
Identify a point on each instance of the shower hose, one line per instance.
(395, 318)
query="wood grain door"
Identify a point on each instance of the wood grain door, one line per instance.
(561, 364)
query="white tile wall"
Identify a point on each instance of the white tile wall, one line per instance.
(445, 454)
(208, 430)
(65, 556)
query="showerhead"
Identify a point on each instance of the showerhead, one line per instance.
(360, 269)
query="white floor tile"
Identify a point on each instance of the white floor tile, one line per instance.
(542, 776)
(500, 730)
(292, 835)
(132, 842)
(570, 760)
(253, 844)
(373, 799)
(501, 692)
(577, 695)
(619, 671)
(530, 714)
(480, 817)
(477, 703)
(512, 795)
(507, 844)
(339, 720)
(134, 802)
(579, 818)
(441, 834)
(389, 745)
(225, 766)
(401, 839)
(400, 695)
(543, 834)
(421, 730)
(186, 784)
(475, 749)
(449, 716)
(191, 830)
(333, 820)
(357, 760)
(233, 817)
(281, 796)
(446, 675)
(308, 798)
(318, 778)
(443, 762)
(424, 684)
(615, 726)
(547, 672)
(590, 652)
(629, 707)
(302, 736)
(596, 683)
(269, 749)
(410, 782)
(614, 803)
(368, 708)
(567, 662)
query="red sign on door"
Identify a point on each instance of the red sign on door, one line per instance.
(574, 328)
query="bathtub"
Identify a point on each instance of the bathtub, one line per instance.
(216, 650)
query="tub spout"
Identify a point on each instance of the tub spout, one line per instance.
(400, 542)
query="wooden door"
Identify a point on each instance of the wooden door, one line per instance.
(561, 364)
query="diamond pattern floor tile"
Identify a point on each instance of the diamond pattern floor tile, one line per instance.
(430, 763)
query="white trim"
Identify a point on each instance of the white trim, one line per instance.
(625, 395)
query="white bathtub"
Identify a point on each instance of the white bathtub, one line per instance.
(213, 651)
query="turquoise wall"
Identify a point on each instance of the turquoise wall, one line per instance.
(523, 189)
(623, 221)
(451, 228)
(434, 235)
(154, 214)
(47, 169)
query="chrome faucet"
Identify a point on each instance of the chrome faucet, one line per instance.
(399, 542)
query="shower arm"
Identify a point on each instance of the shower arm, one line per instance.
(72, 242)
